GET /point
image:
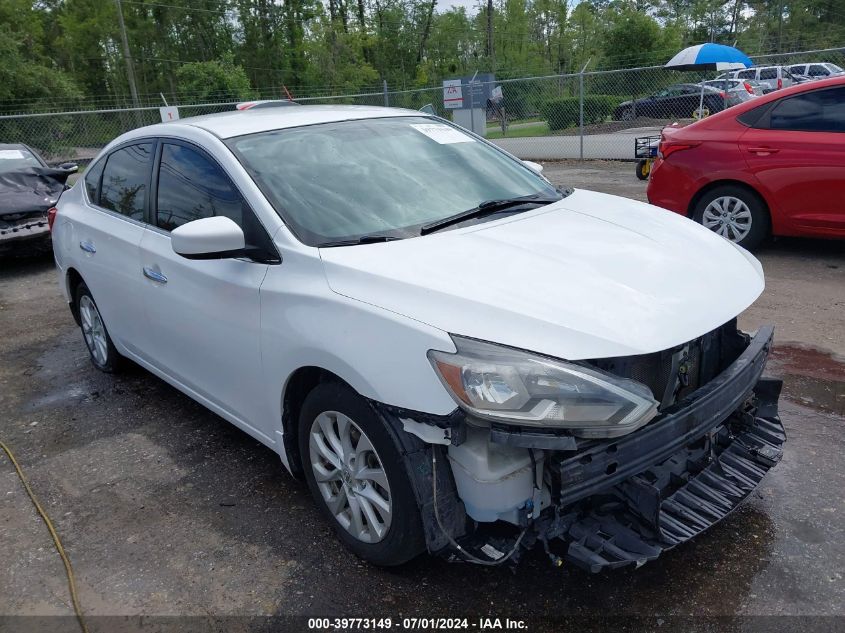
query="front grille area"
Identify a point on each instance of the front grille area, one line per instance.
(675, 373)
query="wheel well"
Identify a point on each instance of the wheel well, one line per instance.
(299, 385)
(721, 183)
(73, 281)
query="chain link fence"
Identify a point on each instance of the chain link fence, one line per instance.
(588, 115)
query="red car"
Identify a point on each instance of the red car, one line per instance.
(774, 165)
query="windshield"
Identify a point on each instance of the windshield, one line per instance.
(12, 159)
(390, 176)
(834, 68)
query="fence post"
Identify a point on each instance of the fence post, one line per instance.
(384, 89)
(581, 112)
(472, 103)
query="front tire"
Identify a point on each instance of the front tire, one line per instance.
(736, 213)
(357, 477)
(643, 169)
(104, 355)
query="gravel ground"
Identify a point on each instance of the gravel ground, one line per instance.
(165, 509)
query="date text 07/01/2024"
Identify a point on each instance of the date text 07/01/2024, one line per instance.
(416, 623)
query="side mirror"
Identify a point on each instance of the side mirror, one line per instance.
(208, 238)
(535, 167)
(71, 167)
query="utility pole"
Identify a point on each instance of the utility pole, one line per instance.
(490, 51)
(130, 71)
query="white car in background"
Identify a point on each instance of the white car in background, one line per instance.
(817, 70)
(771, 77)
(431, 334)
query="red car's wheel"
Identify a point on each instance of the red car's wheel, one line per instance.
(735, 213)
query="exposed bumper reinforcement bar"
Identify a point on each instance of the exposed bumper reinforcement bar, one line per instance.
(674, 501)
(624, 537)
(624, 502)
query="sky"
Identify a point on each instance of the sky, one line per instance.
(445, 5)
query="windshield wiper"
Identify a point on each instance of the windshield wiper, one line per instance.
(364, 239)
(488, 207)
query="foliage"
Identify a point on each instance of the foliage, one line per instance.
(565, 112)
(223, 80)
(56, 51)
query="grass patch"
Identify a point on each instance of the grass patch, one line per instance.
(540, 128)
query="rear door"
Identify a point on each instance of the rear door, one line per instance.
(107, 235)
(203, 314)
(797, 152)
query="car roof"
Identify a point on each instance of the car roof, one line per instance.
(240, 122)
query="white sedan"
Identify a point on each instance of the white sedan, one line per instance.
(455, 354)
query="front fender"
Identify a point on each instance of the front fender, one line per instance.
(380, 354)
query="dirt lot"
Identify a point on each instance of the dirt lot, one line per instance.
(165, 509)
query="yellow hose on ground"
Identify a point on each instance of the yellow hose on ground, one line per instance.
(68, 569)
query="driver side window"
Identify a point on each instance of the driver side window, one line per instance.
(191, 187)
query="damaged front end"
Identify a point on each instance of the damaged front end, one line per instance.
(611, 502)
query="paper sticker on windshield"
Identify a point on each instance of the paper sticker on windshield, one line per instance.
(10, 154)
(443, 134)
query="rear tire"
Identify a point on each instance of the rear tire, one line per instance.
(102, 351)
(736, 213)
(643, 169)
(363, 488)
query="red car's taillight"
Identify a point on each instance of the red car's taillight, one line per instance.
(667, 148)
(51, 217)
(748, 88)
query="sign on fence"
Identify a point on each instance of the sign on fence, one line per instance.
(169, 113)
(452, 94)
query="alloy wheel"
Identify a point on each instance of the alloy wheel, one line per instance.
(728, 216)
(350, 476)
(93, 330)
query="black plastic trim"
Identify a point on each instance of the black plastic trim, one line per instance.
(646, 521)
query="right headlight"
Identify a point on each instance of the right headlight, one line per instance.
(503, 384)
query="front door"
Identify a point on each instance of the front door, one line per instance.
(204, 315)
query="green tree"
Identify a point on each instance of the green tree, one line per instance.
(223, 80)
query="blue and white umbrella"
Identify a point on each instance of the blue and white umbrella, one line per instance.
(709, 57)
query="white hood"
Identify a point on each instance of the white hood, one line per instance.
(590, 276)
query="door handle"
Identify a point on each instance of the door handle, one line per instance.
(87, 246)
(763, 150)
(155, 275)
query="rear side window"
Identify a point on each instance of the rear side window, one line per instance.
(125, 178)
(768, 73)
(747, 74)
(815, 111)
(92, 181)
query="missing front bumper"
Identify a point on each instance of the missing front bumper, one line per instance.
(624, 502)
(677, 499)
